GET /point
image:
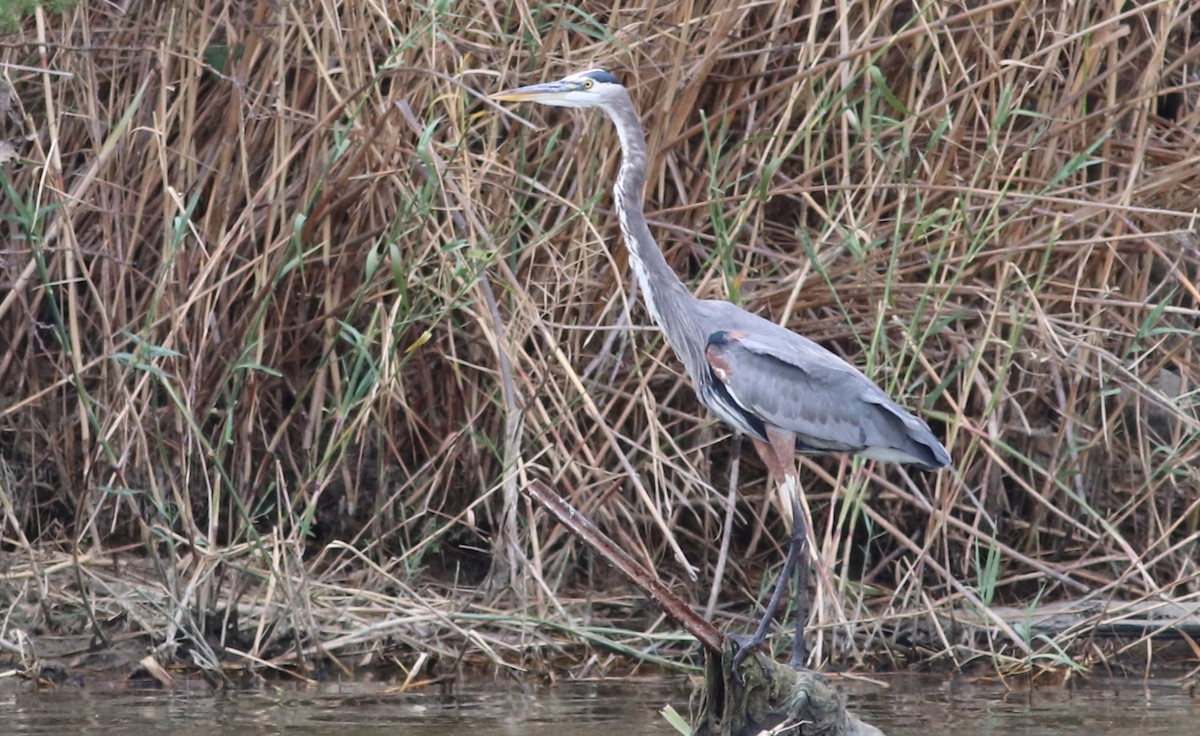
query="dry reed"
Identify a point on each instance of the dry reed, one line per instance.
(289, 313)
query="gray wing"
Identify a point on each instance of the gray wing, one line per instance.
(787, 381)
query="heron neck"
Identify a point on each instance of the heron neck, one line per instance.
(665, 294)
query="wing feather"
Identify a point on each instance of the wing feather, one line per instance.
(792, 383)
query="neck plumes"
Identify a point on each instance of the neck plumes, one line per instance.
(667, 299)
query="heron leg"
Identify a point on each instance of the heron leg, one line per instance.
(798, 558)
(755, 641)
(783, 446)
(779, 455)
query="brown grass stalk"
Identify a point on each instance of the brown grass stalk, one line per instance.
(288, 311)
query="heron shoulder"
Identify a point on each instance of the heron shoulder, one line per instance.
(766, 338)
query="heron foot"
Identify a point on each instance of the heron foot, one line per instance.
(748, 645)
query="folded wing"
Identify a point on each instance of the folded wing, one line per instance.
(786, 381)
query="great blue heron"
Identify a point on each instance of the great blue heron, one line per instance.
(785, 391)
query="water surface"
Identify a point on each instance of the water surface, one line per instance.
(904, 706)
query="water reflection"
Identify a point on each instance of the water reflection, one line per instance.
(908, 705)
(920, 706)
(354, 709)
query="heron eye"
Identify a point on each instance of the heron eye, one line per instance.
(588, 84)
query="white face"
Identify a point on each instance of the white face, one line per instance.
(586, 89)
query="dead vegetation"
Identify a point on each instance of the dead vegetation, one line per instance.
(289, 314)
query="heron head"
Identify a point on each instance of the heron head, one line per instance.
(593, 88)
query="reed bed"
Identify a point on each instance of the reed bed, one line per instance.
(290, 313)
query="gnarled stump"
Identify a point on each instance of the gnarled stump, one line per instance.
(764, 701)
